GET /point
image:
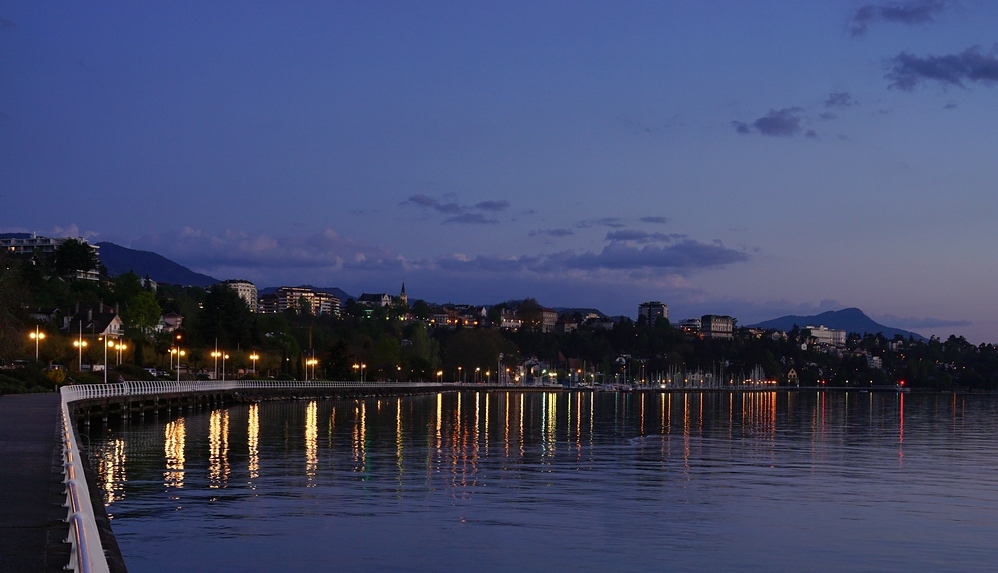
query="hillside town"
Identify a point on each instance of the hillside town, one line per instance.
(65, 319)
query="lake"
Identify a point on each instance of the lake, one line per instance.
(557, 481)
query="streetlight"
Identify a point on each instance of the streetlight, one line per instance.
(37, 336)
(440, 376)
(224, 358)
(459, 374)
(215, 355)
(107, 344)
(477, 370)
(121, 346)
(81, 344)
(179, 354)
(254, 357)
(310, 362)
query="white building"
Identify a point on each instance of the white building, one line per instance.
(825, 335)
(246, 291)
(26, 244)
(713, 326)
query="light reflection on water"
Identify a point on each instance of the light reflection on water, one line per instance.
(538, 481)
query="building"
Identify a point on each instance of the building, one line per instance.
(375, 300)
(549, 319)
(246, 291)
(690, 326)
(95, 320)
(650, 311)
(27, 244)
(299, 299)
(509, 320)
(826, 336)
(717, 327)
(170, 322)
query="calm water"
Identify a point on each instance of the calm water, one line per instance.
(498, 481)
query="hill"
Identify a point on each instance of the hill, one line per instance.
(119, 260)
(847, 319)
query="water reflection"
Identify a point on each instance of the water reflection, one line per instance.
(584, 478)
(175, 438)
(311, 441)
(218, 448)
(253, 442)
(112, 470)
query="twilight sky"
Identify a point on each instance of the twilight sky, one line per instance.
(753, 159)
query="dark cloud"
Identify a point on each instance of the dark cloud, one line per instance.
(604, 222)
(828, 115)
(551, 232)
(906, 71)
(840, 100)
(912, 12)
(473, 219)
(627, 235)
(811, 134)
(499, 205)
(920, 322)
(684, 256)
(214, 253)
(784, 122)
(950, 105)
(421, 200)
(652, 219)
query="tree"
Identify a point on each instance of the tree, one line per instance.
(142, 314)
(530, 312)
(73, 256)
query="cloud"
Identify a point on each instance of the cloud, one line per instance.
(493, 205)
(654, 219)
(642, 236)
(907, 71)
(473, 219)
(840, 100)
(604, 222)
(235, 251)
(422, 200)
(784, 122)
(551, 232)
(685, 256)
(828, 115)
(919, 322)
(912, 12)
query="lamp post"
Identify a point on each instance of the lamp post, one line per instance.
(440, 376)
(224, 358)
(37, 336)
(179, 354)
(121, 347)
(215, 355)
(80, 344)
(459, 374)
(254, 357)
(310, 362)
(477, 371)
(107, 343)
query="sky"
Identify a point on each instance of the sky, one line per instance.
(755, 159)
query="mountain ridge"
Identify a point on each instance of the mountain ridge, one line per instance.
(119, 260)
(849, 319)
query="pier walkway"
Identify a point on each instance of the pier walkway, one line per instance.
(32, 517)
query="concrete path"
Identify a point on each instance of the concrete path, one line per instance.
(31, 491)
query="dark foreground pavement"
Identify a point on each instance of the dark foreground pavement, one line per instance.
(32, 529)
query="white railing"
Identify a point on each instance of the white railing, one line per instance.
(150, 388)
(87, 553)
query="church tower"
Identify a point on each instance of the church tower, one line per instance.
(402, 296)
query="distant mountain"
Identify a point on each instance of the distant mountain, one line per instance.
(583, 311)
(335, 291)
(119, 260)
(847, 319)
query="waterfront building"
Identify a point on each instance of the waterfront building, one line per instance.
(246, 291)
(299, 299)
(717, 327)
(650, 311)
(690, 326)
(826, 336)
(549, 318)
(29, 244)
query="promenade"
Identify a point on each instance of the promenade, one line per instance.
(32, 526)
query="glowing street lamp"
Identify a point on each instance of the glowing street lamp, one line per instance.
(107, 344)
(121, 347)
(37, 336)
(224, 358)
(440, 376)
(179, 354)
(459, 374)
(216, 354)
(310, 362)
(80, 344)
(254, 357)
